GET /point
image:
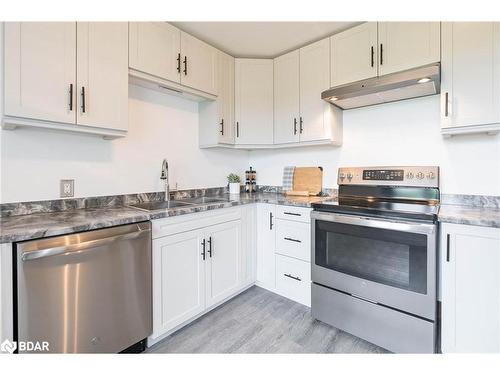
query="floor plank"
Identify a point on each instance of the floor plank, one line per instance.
(259, 321)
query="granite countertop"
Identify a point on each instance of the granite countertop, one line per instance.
(26, 227)
(470, 215)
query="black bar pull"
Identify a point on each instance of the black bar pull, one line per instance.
(292, 239)
(210, 246)
(292, 213)
(271, 221)
(222, 127)
(294, 126)
(83, 99)
(185, 65)
(446, 104)
(381, 54)
(237, 129)
(373, 56)
(203, 254)
(448, 247)
(301, 127)
(70, 96)
(292, 277)
(179, 62)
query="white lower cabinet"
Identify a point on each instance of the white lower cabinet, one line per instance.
(266, 263)
(196, 265)
(470, 286)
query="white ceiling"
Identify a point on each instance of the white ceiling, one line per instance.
(261, 39)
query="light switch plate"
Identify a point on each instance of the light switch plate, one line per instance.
(67, 188)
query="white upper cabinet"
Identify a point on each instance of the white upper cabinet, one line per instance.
(318, 119)
(470, 269)
(470, 76)
(40, 70)
(198, 65)
(225, 98)
(286, 98)
(354, 54)
(406, 45)
(102, 74)
(254, 101)
(155, 48)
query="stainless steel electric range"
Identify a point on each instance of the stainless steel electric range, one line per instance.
(374, 257)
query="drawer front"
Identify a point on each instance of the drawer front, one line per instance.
(293, 279)
(293, 239)
(302, 214)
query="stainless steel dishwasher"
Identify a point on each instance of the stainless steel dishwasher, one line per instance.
(87, 292)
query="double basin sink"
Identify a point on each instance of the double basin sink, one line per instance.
(162, 205)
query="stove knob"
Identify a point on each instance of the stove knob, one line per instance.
(420, 175)
(342, 176)
(431, 176)
(409, 175)
(349, 176)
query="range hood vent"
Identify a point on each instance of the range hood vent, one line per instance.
(409, 84)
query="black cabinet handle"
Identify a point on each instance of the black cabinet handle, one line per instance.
(292, 239)
(178, 62)
(446, 104)
(381, 54)
(210, 246)
(300, 127)
(203, 254)
(237, 129)
(292, 277)
(373, 56)
(185, 65)
(222, 127)
(447, 247)
(292, 213)
(83, 99)
(70, 96)
(294, 126)
(271, 221)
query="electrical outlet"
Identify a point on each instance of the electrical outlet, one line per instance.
(67, 188)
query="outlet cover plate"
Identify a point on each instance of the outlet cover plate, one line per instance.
(67, 188)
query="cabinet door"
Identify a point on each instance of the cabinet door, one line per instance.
(286, 98)
(102, 74)
(40, 70)
(470, 73)
(198, 65)
(254, 101)
(225, 98)
(470, 259)
(155, 49)
(266, 237)
(314, 79)
(178, 280)
(248, 244)
(406, 45)
(223, 266)
(354, 54)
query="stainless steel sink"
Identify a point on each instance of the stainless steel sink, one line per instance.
(160, 205)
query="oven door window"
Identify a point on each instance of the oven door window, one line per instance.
(388, 257)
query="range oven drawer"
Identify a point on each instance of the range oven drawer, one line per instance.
(293, 279)
(388, 328)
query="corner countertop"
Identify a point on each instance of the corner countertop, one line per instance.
(470, 215)
(39, 225)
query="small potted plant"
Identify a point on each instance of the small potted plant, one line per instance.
(234, 183)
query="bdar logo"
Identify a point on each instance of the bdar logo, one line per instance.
(8, 346)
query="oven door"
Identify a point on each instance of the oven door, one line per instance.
(392, 263)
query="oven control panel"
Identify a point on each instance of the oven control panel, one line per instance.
(422, 176)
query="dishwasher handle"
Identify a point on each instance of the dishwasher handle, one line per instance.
(78, 247)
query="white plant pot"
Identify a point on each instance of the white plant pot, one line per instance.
(234, 188)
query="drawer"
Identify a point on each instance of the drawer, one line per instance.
(293, 239)
(302, 214)
(293, 279)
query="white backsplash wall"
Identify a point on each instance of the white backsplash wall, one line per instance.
(160, 126)
(402, 133)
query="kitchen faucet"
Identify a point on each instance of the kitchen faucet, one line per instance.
(164, 176)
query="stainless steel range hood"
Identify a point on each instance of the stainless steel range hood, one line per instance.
(389, 88)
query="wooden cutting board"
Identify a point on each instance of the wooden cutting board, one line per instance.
(308, 179)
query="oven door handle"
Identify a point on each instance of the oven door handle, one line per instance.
(400, 225)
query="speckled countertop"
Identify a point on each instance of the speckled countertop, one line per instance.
(470, 215)
(25, 227)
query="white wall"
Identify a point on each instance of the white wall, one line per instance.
(402, 133)
(160, 126)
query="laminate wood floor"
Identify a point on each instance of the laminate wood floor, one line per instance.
(259, 321)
